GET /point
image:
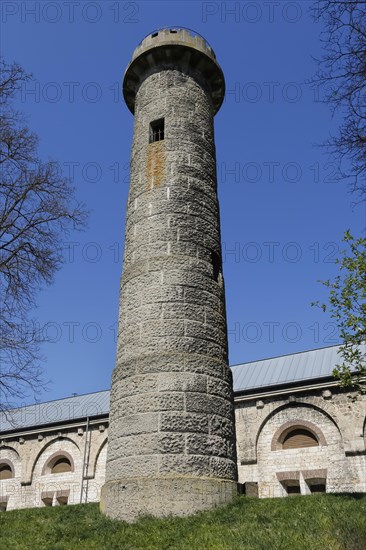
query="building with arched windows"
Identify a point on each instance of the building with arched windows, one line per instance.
(297, 432)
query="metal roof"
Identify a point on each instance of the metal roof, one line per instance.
(277, 371)
(286, 369)
(62, 410)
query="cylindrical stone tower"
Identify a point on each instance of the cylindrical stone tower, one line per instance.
(171, 443)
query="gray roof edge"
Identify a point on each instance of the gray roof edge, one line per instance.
(285, 355)
(55, 412)
(86, 400)
(58, 399)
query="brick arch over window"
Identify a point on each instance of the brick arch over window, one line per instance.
(47, 468)
(287, 427)
(248, 439)
(36, 457)
(298, 405)
(6, 469)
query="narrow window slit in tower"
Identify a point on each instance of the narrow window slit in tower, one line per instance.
(216, 267)
(154, 34)
(156, 130)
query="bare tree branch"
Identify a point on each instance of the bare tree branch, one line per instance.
(37, 209)
(342, 76)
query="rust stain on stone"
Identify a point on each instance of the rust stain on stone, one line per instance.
(155, 164)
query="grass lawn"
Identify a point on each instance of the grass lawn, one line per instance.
(316, 522)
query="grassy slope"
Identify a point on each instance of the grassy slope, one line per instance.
(322, 522)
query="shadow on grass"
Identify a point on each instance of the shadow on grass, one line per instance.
(357, 496)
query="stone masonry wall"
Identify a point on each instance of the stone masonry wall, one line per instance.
(29, 456)
(339, 418)
(171, 397)
(336, 417)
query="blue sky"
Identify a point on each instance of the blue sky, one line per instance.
(282, 214)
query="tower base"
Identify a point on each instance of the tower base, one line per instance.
(130, 498)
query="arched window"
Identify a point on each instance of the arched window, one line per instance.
(297, 434)
(299, 438)
(61, 465)
(6, 471)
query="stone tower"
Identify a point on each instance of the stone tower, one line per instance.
(171, 443)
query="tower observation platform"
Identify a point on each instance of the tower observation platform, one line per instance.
(177, 48)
